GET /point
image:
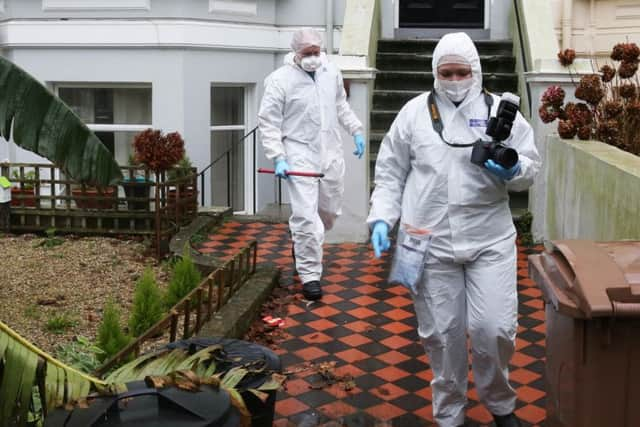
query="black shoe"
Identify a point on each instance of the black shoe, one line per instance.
(509, 420)
(312, 290)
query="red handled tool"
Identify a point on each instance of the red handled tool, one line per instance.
(294, 173)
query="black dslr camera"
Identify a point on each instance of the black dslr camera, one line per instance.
(499, 129)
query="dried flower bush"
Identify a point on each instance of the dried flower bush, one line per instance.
(610, 111)
(156, 151)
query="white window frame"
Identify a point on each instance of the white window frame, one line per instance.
(234, 7)
(248, 152)
(96, 127)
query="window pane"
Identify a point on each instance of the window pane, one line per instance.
(120, 106)
(119, 143)
(227, 106)
(227, 174)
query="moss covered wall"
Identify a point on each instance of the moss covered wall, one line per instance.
(593, 191)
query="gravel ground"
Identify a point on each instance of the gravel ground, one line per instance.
(74, 280)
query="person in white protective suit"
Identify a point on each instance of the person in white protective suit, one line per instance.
(469, 280)
(303, 105)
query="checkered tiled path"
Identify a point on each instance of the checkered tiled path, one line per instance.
(368, 328)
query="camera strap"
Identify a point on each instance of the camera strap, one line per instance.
(436, 119)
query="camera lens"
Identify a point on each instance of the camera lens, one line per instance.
(505, 157)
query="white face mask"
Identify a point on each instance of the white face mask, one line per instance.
(310, 63)
(456, 90)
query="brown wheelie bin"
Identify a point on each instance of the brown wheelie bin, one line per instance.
(592, 308)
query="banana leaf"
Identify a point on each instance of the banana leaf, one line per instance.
(19, 373)
(44, 124)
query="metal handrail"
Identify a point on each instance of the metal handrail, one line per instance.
(226, 154)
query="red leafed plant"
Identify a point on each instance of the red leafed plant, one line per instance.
(157, 151)
(610, 111)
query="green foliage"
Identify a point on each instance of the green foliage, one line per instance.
(147, 304)
(51, 240)
(81, 354)
(181, 170)
(185, 278)
(111, 338)
(28, 176)
(38, 121)
(32, 311)
(60, 323)
(523, 228)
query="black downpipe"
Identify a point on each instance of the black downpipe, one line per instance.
(523, 53)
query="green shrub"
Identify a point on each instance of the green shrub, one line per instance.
(111, 338)
(147, 304)
(185, 278)
(60, 323)
(81, 354)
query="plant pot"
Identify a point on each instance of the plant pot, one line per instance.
(186, 204)
(88, 199)
(139, 189)
(28, 198)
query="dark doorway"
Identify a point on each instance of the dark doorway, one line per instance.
(441, 14)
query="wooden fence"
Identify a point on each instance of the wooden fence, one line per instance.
(144, 203)
(187, 317)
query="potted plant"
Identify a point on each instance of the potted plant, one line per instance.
(158, 152)
(89, 197)
(136, 185)
(183, 192)
(23, 194)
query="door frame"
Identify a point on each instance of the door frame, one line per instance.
(396, 20)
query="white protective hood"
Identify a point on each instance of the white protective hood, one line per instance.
(459, 44)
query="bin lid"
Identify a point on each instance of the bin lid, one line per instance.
(583, 278)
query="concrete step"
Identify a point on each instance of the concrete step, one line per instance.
(409, 61)
(426, 46)
(422, 81)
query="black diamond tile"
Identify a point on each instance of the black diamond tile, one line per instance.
(377, 334)
(380, 307)
(411, 335)
(370, 365)
(525, 310)
(289, 359)
(529, 322)
(342, 319)
(300, 330)
(537, 367)
(410, 402)
(531, 336)
(412, 350)
(363, 400)
(410, 420)
(382, 295)
(294, 344)
(316, 398)
(378, 320)
(412, 383)
(534, 350)
(369, 381)
(306, 317)
(412, 365)
(344, 305)
(333, 347)
(348, 294)
(373, 348)
(338, 332)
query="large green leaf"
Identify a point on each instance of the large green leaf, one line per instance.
(19, 373)
(43, 124)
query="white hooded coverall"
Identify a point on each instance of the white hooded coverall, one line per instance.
(298, 120)
(469, 283)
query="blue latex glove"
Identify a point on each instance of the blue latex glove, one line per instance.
(380, 238)
(359, 141)
(282, 167)
(500, 171)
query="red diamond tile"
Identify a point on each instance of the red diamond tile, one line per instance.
(388, 392)
(425, 413)
(392, 357)
(310, 353)
(372, 269)
(297, 386)
(399, 301)
(338, 391)
(397, 327)
(369, 279)
(352, 355)
(348, 369)
(531, 413)
(325, 311)
(355, 340)
(344, 261)
(425, 393)
(360, 326)
(398, 314)
(480, 414)
(321, 324)
(332, 288)
(395, 342)
(290, 406)
(337, 409)
(361, 312)
(206, 250)
(391, 373)
(331, 298)
(523, 376)
(398, 290)
(529, 395)
(335, 278)
(364, 300)
(521, 360)
(316, 338)
(385, 411)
